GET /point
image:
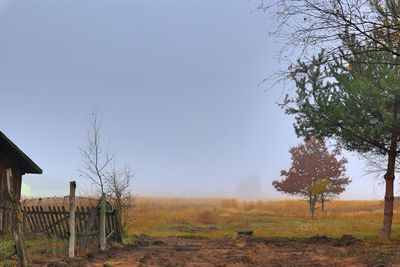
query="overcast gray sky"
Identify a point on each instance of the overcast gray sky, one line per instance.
(177, 84)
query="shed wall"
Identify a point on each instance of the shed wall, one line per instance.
(5, 211)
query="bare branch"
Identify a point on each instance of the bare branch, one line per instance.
(309, 26)
(95, 160)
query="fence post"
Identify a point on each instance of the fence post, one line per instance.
(118, 226)
(72, 207)
(102, 222)
(15, 221)
(19, 245)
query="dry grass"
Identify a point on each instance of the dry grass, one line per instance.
(217, 217)
(221, 217)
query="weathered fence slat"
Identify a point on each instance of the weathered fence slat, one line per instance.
(89, 225)
(42, 217)
(61, 219)
(34, 219)
(28, 218)
(54, 221)
(64, 222)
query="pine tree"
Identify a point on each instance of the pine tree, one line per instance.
(355, 100)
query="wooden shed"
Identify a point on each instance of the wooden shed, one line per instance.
(13, 163)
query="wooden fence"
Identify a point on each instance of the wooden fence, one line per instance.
(53, 221)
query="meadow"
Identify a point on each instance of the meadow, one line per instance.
(188, 227)
(219, 217)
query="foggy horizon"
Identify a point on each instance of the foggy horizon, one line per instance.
(179, 87)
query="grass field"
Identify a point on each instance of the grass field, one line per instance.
(215, 217)
(201, 222)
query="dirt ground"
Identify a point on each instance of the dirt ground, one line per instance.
(314, 251)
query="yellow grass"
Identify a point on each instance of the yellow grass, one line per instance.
(221, 217)
(218, 217)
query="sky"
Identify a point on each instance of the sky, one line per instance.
(179, 86)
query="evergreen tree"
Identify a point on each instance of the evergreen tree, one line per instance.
(355, 100)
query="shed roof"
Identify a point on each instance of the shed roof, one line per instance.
(19, 158)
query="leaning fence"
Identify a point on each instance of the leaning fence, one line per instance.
(94, 220)
(53, 221)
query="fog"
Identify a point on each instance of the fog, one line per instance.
(179, 84)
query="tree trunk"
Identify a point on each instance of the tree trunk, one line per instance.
(312, 206)
(389, 196)
(322, 204)
(102, 222)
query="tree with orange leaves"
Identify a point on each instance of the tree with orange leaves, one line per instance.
(315, 173)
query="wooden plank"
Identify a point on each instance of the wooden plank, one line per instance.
(79, 220)
(110, 234)
(46, 224)
(35, 219)
(118, 226)
(72, 228)
(38, 219)
(44, 220)
(24, 221)
(84, 218)
(96, 222)
(53, 222)
(61, 220)
(25, 215)
(28, 217)
(52, 225)
(65, 221)
(32, 219)
(57, 222)
(77, 214)
(92, 211)
(89, 226)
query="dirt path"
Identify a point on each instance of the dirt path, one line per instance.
(316, 251)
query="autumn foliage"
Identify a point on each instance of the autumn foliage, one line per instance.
(315, 173)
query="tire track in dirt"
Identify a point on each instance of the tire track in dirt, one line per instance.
(315, 251)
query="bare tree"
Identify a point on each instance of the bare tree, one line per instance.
(118, 187)
(309, 26)
(95, 159)
(95, 164)
(99, 166)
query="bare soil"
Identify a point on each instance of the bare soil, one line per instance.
(314, 251)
